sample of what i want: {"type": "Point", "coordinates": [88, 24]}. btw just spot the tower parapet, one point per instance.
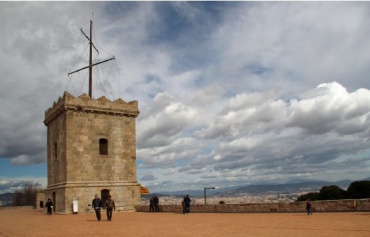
{"type": "Point", "coordinates": [85, 104]}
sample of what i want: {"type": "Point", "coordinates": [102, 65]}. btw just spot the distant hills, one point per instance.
{"type": "Point", "coordinates": [307, 186]}
{"type": "Point", "coordinates": [6, 199]}
{"type": "Point", "coordinates": [293, 186]}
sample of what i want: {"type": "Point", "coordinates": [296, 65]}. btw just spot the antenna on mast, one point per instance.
{"type": "Point", "coordinates": [90, 59]}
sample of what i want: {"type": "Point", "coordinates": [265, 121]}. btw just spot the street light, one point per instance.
{"type": "Point", "coordinates": [205, 193]}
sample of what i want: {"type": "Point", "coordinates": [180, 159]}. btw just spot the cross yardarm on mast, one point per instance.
{"type": "Point", "coordinates": [90, 59]}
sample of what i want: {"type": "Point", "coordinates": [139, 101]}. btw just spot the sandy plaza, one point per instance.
{"type": "Point", "coordinates": [35, 223]}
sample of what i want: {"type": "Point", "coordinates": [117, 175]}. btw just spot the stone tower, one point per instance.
{"type": "Point", "coordinates": [91, 149]}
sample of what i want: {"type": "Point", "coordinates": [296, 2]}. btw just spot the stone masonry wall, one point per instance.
{"type": "Point", "coordinates": [84, 161]}
{"type": "Point", "coordinates": [75, 127]}
{"type": "Point", "coordinates": [56, 162]}
{"type": "Point", "coordinates": [359, 205]}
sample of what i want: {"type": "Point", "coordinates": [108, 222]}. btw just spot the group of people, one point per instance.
{"type": "Point", "coordinates": [154, 204]}
{"type": "Point", "coordinates": [109, 205]}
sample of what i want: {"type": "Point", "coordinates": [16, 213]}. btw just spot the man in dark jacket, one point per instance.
{"type": "Point", "coordinates": [110, 206]}
{"type": "Point", "coordinates": [49, 206]}
{"type": "Point", "coordinates": [151, 204]}
{"type": "Point", "coordinates": [309, 207]}
{"type": "Point", "coordinates": [156, 203]}
{"type": "Point", "coordinates": [187, 201]}
{"type": "Point", "coordinates": [96, 204]}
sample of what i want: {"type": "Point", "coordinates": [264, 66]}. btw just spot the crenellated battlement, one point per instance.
{"type": "Point", "coordinates": [85, 104]}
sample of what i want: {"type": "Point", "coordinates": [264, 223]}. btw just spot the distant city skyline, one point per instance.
{"type": "Point", "coordinates": [230, 93]}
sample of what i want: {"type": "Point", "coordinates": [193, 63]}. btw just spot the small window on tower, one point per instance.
{"type": "Point", "coordinates": [55, 151]}
{"type": "Point", "coordinates": [103, 146]}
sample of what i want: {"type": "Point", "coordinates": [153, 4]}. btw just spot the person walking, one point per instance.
{"type": "Point", "coordinates": [109, 205]}
{"type": "Point", "coordinates": [156, 203]}
{"type": "Point", "coordinates": [187, 202]}
{"type": "Point", "coordinates": [309, 207]}
{"type": "Point", "coordinates": [183, 205]}
{"type": "Point", "coordinates": [151, 204]}
{"type": "Point", "coordinates": [96, 204]}
{"type": "Point", "coordinates": [49, 207]}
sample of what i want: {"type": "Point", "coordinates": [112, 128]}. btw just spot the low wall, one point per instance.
{"type": "Point", "coordinates": [348, 205]}
{"type": "Point", "coordinates": [17, 207]}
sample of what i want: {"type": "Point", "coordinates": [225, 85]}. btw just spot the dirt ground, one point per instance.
{"type": "Point", "coordinates": [35, 223]}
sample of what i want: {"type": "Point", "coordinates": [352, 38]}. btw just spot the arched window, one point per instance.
{"type": "Point", "coordinates": [103, 146]}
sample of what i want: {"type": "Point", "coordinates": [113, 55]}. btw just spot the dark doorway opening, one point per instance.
{"type": "Point", "coordinates": [104, 195]}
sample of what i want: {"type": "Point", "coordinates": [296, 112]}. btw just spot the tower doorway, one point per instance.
{"type": "Point", "coordinates": [104, 195]}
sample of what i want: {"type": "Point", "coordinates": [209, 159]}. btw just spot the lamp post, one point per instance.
{"type": "Point", "coordinates": [205, 193]}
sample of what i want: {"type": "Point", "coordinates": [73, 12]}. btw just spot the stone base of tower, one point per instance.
{"type": "Point", "coordinates": [125, 195]}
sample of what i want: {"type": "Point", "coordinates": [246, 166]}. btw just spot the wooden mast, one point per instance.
{"type": "Point", "coordinates": [90, 62]}
{"type": "Point", "coordinates": [90, 59]}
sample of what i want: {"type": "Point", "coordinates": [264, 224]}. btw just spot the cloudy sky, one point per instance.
{"type": "Point", "coordinates": [230, 93]}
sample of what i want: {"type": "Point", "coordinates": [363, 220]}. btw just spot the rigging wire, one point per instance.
{"type": "Point", "coordinates": [77, 90]}
{"type": "Point", "coordinates": [83, 82]}
{"type": "Point", "coordinates": [101, 76]}
{"type": "Point", "coordinates": [77, 60]}
{"type": "Point", "coordinates": [103, 82]}
{"type": "Point", "coordinates": [87, 22]}
{"type": "Point", "coordinates": [98, 43]}
{"type": "Point", "coordinates": [106, 83]}
{"type": "Point", "coordinates": [102, 79]}
{"type": "Point", "coordinates": [109, 84]}
{"type": "Point", "coordinates": [119, 79]}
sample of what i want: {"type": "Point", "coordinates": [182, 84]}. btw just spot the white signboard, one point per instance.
{"type": "Point", "coordinates": [75, 205]}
